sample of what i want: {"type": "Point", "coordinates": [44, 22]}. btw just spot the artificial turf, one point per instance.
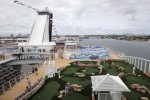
{"type": "Point", "coordinates": [50, 90]}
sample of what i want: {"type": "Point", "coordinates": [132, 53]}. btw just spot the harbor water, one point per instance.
{"type": "Point", "coordinates": [130, 48]}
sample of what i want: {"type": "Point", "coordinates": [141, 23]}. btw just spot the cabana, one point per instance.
{"type": "Point", "coordinates": [108, 87]}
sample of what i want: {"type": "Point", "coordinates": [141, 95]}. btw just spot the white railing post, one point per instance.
{"type": "Point", "coordinates": [132, 60]}
{"type": "Point", "coordinates": [138, 63]}
{"type": "Point", "coordinates": [129, 60]}
{"type": "Point", "coordinates": [149, 67]}
{"type": "Point", "coordinates": [135, 62]}
{"type": "Point", "coordinates": [141, 64]}
{"type": "Point", "coordinates": [145, 66]}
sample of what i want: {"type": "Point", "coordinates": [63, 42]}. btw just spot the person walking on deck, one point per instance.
{"type": "Point", "coordinates": [33, 69]}
{"type": "Point", "coordinates": [28, 83]}
{"type": "Point", "coordinates": [36, 70]}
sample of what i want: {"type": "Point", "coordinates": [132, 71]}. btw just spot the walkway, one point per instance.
{"type": "Point", "coordinates": [21, 86]}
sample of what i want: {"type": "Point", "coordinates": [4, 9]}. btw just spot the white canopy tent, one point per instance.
{"type": "Point", "coordinates": [51, 69]}
{"type": "Point", "coordinates": [108, 83]}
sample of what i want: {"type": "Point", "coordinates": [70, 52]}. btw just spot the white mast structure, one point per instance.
{"type": "Point", "coordinates": [41, 32]}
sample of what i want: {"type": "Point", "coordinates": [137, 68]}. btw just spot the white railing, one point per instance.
{"type": "Point", "coordinates": [139, 63]}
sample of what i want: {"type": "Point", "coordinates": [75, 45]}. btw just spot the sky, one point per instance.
{"type": "Point", "coordinates": [78, 16]}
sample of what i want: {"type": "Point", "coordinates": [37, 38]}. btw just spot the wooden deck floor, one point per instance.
{"type": "Point", "coordinates": [21, 86]}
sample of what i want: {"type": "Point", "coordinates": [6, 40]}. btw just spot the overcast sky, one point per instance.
{"type": "Point", "coordinates": [79, 16]}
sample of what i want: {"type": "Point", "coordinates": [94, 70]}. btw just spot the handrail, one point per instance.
{"type": "Point", "coordinates": [138, 57]}
{"type": "Point", "coordinates": [28, 93]}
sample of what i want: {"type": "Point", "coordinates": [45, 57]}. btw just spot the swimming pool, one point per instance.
{"type": "Point", "coordinates": [90, 52]}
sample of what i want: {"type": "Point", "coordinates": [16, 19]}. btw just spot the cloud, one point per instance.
{"type": "Point", "coordinates": [79, 16]}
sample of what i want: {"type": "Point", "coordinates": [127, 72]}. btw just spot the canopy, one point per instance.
{"type": "Point", "coordinates": [108, 83]}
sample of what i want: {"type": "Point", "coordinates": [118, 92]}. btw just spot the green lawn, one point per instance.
{"type": "Point", "coordinates": [51, 88]}
{"type": "Point", "coordinates": [91, 70]}
{"type": "Point", "coordinates": [79, 81]}
{"type": "Point", "coordinates": [75, 96]}
{"type": "Point", "coordinates": [48, 91]}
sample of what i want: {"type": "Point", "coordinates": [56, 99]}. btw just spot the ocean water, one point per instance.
{"type": "Point", "coordinates": [130, 48]}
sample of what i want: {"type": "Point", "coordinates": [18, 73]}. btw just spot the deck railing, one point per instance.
{"type": "Point", "coordinates": [139, 63]}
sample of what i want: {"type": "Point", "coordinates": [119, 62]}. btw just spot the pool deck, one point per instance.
{"type": "Point", "coordinates": [21, 86]}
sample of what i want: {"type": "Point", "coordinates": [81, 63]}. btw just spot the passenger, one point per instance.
{"type": "Point", "coordinates": [36, 70]}
{"type": "Point", "coordinates": [29, 83]}
{"type": "Point", "coordinates": [66, 89]}
{"type": "Point", "coordinates": [70, 89]}
{"type": "Point", "coordinates": [27, 89]}
{"type": "Point", "coordinates": [33, 70]}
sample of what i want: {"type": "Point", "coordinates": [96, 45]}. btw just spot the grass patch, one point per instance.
{"type": "Point", "coordinates": [78, 81]}
{"type": "Point", "coordinates": [49, 90]}
{"type": "Point", "coordinates": [75, 96]}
